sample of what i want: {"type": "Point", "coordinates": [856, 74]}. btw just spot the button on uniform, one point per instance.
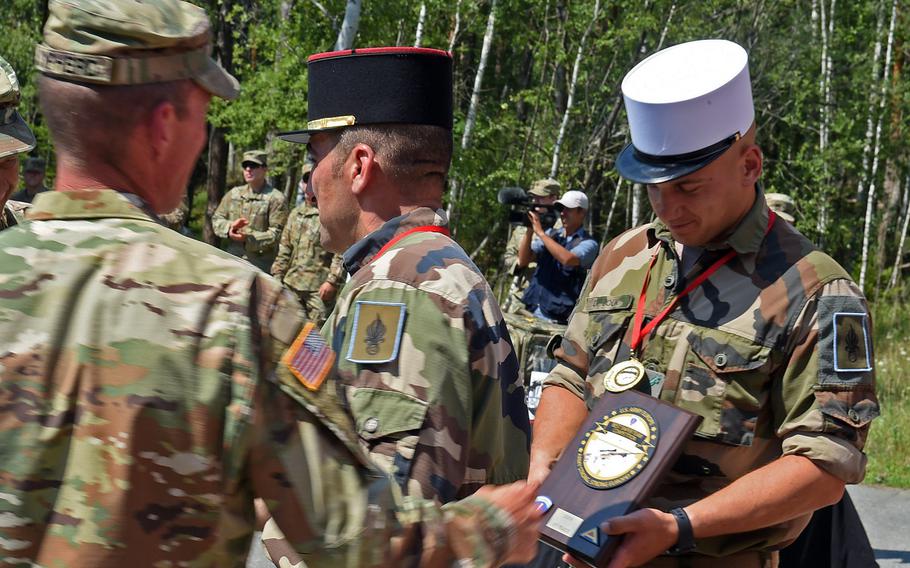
{"type": "Point", "coordinates": [371, 424]}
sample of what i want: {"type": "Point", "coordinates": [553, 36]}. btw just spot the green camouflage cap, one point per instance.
{"type": "Point", "coordinates": [783, 205]}
{"type": "Point", "coordinates": [15, 135]}
{"type": "Point", "coordinates": [306, 170]}
{"type": "Point", "coordinates": [131, 42]}
{"type": "Point", "coordinates": [256, 156]}
{"type": "Point", "coordinates": [34, 165]}
{"type": "Point", "coordinates": [545, 188]}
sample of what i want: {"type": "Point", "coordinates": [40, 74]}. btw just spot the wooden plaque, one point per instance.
{"type": "Point", "coordinates": [627, 444]}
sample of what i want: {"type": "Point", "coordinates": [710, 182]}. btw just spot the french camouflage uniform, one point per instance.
{"type": "Point", "coordinates": [303, 265]}
{"type": "Point", "coordinates": [142, 407]}
{"type": "Point", "coordinates": [773, 350]}
{"type": "Point", "coordinates": [266, 211]}
{"type": "Point", "coordinates": [426, 366]}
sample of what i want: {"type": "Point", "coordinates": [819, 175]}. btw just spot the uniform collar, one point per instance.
{"type": "Point", "coordinates": [363, 251]}
{"type": "Point", "coordinates": [264, 190]}
{"type": "Point", "coordinates": [89, 204]}
{"type": "Point", "coordinates": [745, 238]}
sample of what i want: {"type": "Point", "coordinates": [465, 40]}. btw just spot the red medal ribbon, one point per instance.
{"type": "Point", "coordinates": [421, 229]}
{"type": "Point", "coordinates": [637, 332]}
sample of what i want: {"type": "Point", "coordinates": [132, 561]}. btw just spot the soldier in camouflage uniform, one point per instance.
{"type": "Point", "coordinates": [424, 358]}
{"type": "Point", "coordinates": [15, 138]}
{"type": "Point", "coordinates": [252, 215]}
{"type": "Point", "coordinates": [772, 348]}
{"type": "Point", "coordinates": [545, 192]}
{"type": "Point", "coordinates": [142, 401]}
{"type": "Point", "coordinates": [33, 173]}
{"type": "Point", "coordinates": [302, 265]}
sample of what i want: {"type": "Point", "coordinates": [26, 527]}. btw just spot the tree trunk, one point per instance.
{"type": "Point", "coordinates": [827, 32]}
{"type": "Point", "coordinates": [349, 26]}
{"type": "Point", "coordinates": [900, 246]}
{"type": "Point", "coordinates": [457, 28]}
{"type": "Point", "coordinates": [870, 201]}
{"type": "Point", "coordinates": [870, 112]}
{"type": "Point", "coordinates": [418, 35]}
{"type": "Point", "coordinates": [616, 195]}
{"type": "Point", "coordinates": [478, 78]}
{"type": "Point", "coordinates": [218, 154]}
{"type": "Point", "coordinates": [636, 205]}
{"type": "Point", "coordinates": [565, 117]}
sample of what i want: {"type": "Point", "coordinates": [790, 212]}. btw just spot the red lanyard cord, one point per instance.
{"type": "Point", "coordinates": [398, 237]}
{"type": "Point", "coordinates": [638, 333]}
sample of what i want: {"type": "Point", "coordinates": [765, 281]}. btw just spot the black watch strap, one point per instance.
{"type": "Point", "coordinates": [686, 540]}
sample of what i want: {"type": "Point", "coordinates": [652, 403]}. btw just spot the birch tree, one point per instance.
{"type": "Point", "coordinates": [870, 200]}
{"type": "Point", "coordinates": [349, 26]}
{"type": "Point", "coordinates": [895, 272]}
{"type": "Point", "coordinates": [421, 18]}
{"type": "Point", "coordinates": [572, 85]}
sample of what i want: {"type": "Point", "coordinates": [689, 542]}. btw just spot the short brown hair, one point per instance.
{"type": "Point", "coordinates": [409, 150]}
{"type": "Point", "coordinates": [89, 122]}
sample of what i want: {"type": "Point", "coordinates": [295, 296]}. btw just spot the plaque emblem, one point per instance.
{"type": "Point", "coordinates": [617, 448]}
{"type": "Point", "coordinates": [623, 376]}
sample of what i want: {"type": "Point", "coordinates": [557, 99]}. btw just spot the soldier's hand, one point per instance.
{"type": "Point", "coordinates": [535, 223]}
{"type": "Point", "coordinates": [234, 232]}
{"type": "Point", "coordinates": [538, 471]}
{"type": "Point", "coordinates": [517, 499]}
{"type": "Point", "coordinates": [327, 292]}
{"type": "Point", "coordinates": [646, 533]}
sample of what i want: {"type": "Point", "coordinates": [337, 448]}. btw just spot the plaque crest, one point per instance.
{"type": "Point", "coordinates": [617, 448]}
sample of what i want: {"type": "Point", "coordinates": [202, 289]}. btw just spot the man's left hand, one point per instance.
{"type": "Point", "coordinates": [327, 292]}
{"type": "Point", "coordinates": [646, 534]}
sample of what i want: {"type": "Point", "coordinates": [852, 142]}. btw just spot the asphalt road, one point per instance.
{"type": "Point", "coordinates": [885, 513]}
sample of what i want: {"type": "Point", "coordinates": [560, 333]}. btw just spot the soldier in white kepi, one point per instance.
{"type": "Point", "coordinates": [722, 309]}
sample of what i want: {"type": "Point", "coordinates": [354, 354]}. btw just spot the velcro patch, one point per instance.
{"type": "Point", "coordinates": [608, 303]}
{"type": "Point", "coordinates": [851, 342]}
{"type": "Point", "coordinates": [376, 336]}
{"type": "Point", "coordinates": [309, 358]}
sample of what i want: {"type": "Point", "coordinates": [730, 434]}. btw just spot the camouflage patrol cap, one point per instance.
{"type": "Point", "coordinates": [256, 156]}
{"type": "Point", "coordinates": [783, 205]}
{"type": "Point", "coordinates": [15, 135]}
{"type": "Point", "coordinates": [306, 170]}
{"type": "Point", "coordinates": [34, 165]}
{"type": "Point", "coordinates": [130, 42]}
{"type": "Point", "coordinates": [548, 187]}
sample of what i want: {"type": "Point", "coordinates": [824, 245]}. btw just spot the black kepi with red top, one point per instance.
{"type": "Point", "coordinates": [377, 85]}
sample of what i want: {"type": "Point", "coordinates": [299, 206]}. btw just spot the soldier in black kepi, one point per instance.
{"type": "Point", "coordinates": [424, 356]}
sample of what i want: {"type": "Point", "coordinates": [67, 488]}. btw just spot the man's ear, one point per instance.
{"type": "Point", "coordinates": [161, 129]}
{"type": "Point", "coordinates": [361, 166]}
{"type": "Point", "coordinates": [751, 165]}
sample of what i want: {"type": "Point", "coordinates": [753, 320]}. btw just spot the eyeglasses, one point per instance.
{"type": "Point", "coordinates": [250, 165]}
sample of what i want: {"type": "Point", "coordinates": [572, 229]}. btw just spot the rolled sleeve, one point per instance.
{"type": "Point", "coordinates": [826, 398]}
{"type": "Point", "coordinates": [586, 251]}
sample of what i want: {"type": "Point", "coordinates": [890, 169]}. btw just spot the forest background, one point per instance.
{"type": "Point", "coordinates": [537, 94]}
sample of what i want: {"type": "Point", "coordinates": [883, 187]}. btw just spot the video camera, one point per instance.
{"type": "Point", "coordinates": [520, 203]}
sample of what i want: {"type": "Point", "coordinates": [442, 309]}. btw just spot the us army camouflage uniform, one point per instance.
{"type": "Point", "coordinates": [13, 213]}
{"type": "Point", "coordinates": [752, 350]}
{"type": "Point", "coordinates": [176, 219]}
{"type": "Point", "coordinates": [142, 409]}
{"type": "Point", "coordinates": [447, 413]}
{"type": "Point", "coordinates": [303, 265]}
{"type": "Point", "coordinates": [266, 212]}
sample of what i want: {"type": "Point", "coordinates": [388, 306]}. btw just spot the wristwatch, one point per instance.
{"type": "Point", "coordinates": [685, 542]}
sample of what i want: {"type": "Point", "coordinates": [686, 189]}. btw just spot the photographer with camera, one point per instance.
{"type": "Point", "coordinates": [541, 197]}
{"type": "Point", "coordinates": [563, 257]}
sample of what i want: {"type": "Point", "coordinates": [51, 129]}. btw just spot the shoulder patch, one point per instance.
{"type": "Point", "coordinates": [851, 342]}
{"type": "Point", "coordinates": [376, 335]}
{"type": "Point", "coordinates": [844, 340]}
{"type": "Point", "coordinates": [309, 358]}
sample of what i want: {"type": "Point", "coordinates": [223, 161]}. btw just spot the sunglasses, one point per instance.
{"type": "Point", "coordinates": [250, 165]}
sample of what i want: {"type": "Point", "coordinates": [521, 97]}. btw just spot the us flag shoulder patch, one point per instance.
{"type": "Point", "coordinates": [309, 358]}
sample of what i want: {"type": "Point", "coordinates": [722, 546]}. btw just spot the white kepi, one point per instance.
{"type": "Point", "coordinates": [686, 106]}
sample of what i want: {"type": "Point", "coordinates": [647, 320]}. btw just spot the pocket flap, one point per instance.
{"type": "Point", "coordinates": [729, 354]}
{"type": "Point", "coordinates": [608, 303]}
{"type": "Point", "coordinates": [378, 413]}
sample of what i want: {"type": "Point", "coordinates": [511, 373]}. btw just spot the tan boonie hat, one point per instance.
{"type": "Point", "coordinates": [545, 188]}
{"type": "Point", "coordinates": [256, 156]}
{"type": "Point", "coordinates": [783, 205]}
{"type": "Point", "coordinates": [15, 135]}
{"type": "Point", "coordinates": [306, 170]}
{"type": "Point", "coordinates": [130, 42]}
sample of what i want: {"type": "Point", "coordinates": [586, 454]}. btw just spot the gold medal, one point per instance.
{"type": "Point", "coordinates": [623, 376]}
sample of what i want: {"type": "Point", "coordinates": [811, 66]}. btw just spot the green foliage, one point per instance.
{"type": "Point", "coordinates": [888, 446]}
